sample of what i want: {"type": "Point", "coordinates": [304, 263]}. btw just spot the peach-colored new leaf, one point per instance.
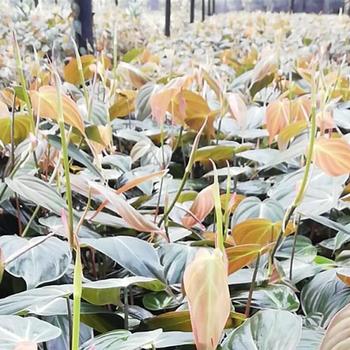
{"type": "Point", "coordinates": [159, 103]}
{"type": "Point", "coordinates": [201, 207]}
{"type": "Point", "coordinates": [238, 108]}
{"type": "Point", "coordinates": [44, 104]}
{"type": "Point", "coordinates": [131, 216]}
{"type": "Point", "coordinates": [206, 286]}
{"type": "Point", "coordinates": [332, 156]}
{"type": "Point", "coordinates": [277, 117]}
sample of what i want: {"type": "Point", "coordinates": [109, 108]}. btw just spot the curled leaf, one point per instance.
{"type": "Point", "coordinates": [201, 207]}
{"type": "Point", "coordinates": [125, 210]}
{"type": "Point", "coordinates": [205, 282]}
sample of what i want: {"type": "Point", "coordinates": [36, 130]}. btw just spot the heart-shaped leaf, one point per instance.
{"type": "Point", "coordinates": [324, 294]}
{"type": "Point", "coordinates": [42, 263]}
{"type": "Point", "coordinates": [25, 333]}
{"type": "Point", "coordinates": [266, 330]}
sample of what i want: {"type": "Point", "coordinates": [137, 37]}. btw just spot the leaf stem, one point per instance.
{"type": "Point", "coordinates": [294, 248]}
{"type": "Point", "coordinates": [252, 286]}
{"type": "Point", "coordinates": [65, 162]}
{"type": "Point", "coordinates": [301, 192]}
{"type": "Point", "coordinates": [186, 174]}
{"type": "Point", "coordinates": [19, 65]}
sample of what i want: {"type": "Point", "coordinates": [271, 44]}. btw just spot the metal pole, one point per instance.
{"type": "Point", "coordinates": [167, 17]}
{"type": "Point", "coordinates": [192, 11]}
{"type": "Point", "coordinates": [203, 10]}
{"type": "Point", "coordinates": [83, 24]}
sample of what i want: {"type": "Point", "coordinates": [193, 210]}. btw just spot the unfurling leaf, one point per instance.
{"type": "Point", "coordinates": [277, 117]}
{"type": "Point", "coordinates": [337, 336]}
{"type": "Point", "coordinates": [159, 104]}
{"type": "Point", "coordinates": [205, 282]}
{"type": "Point", "coordinates": [201, 207]}
{"type": "Point", "coordinates": [44, 104]}
{"type": "Point", "coordinates": [281, 113]}
{"type": "Point", "coordinates": [125, 210]}
{"type": "Point", "coordinates": [332, 156]}
{"type": "Point", "coordinates": [238, 108]}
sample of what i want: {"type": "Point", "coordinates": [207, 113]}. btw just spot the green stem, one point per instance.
{"type": "Point", "coordinates": [77, 285]}
{"type": "Point", "coordinates": [293, 250]}
{"type": "Point", "coordinates": [178, 193]}
{"type": "Point", "coordinates": [81, 76]}
{"type": "Point", "coordinates": [19, 65]}
{"type": "Point", "coordinates": [65, 163]}
{"type": "Point", "coordinates": [77, 279]}
{"type": "Point", "coordinates": [252, 286]}
{"type": "Point", "coordinates": [300, 195]}
{"type": "Point", "coordinates": [220, 240]}
{"type": "Point", "coordinates": [126, 309]}
{"type": "Point", "coordinates": [186, 174]}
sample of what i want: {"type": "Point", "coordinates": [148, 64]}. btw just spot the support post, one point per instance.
{"type": "Point", "coordinates": [167, 17]}
{"type": "Point", "coordinates": [83, 24]}
{"type": "Point", "coordinates": [192, 11]}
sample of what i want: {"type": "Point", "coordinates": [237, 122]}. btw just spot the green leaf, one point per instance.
{"type": "Point", "coordinates": [277, 296]}
{"type": "Point", "coordinates": [20, 302]}
{"type": "Point", "coordinates": [174, 258]}
{"type": "Point", "coordinates": [266, 330]}
{"type": "Point", "coordinates": [37, 191]}
{"type": "Point", "coordinates": [107, 291]}
{"type": "Point", "coordinates": [310, 339]}
{"type": "Point", "coordinates": [22, 127]}
{"type": "Point", "coordinates": [134, 254]}
{"type": "Point", "coordinates": [75, 153]}
{"type": "Point", "coordinates": [122, 340]}
{"type": "Point", "coordinates": [53, 254]}
{"type": "Point", "coordinates": [253, 207]}
{"type": "Point", "coordinates": [16, 331]}
{"type": "Point", "coordinates": [170, 321]}
{"type": "Point", "coordinates": [217, 152]}
{"type": "Point", "coordinates": [324, 294]}
{"type": "Point", "coordinates": [132, 54]}
{"type": "Point", "coordinates": [304, 250]}
{"type": "Point", "coordinates": [159, 301]}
